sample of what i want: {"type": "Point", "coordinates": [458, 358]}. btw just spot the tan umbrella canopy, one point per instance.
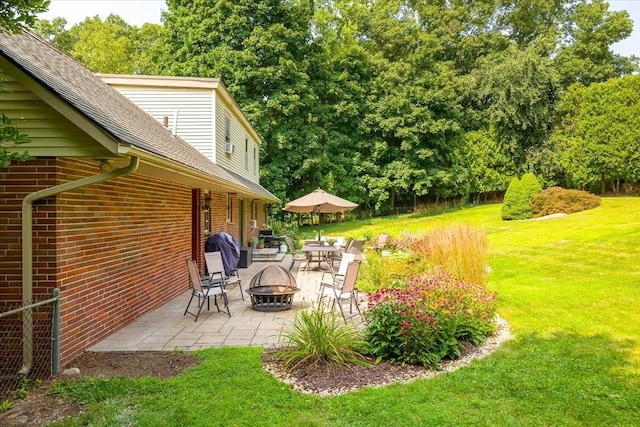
{"type": "Point", "coordinates": [319, 201]}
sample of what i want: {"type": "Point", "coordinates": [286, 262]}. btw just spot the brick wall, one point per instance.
{"type": "Point", "coordinates": [14, 186]}
{"type": "Point", "coordinates": [115, 249]}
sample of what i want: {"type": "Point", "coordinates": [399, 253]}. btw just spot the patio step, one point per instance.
{"type": "Point", "coordinates": [267, 255]}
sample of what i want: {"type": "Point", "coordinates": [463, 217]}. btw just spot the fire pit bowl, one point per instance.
{"type": "Point", "coordinates": [272, 289]}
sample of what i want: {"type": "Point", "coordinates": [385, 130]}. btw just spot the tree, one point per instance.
{"type": "Point", "coordinates": [481, 166]}
{"type": "Point", "coordinates": [113, 46]}
{"type": "Point", "coordinates": [517, 89]}
{"type": "Point", "coordinates": [530, 185]}
{"type": "Point", "coordinates": [411, 114]}
{"type": "Point", "coordinates": [54, 32]}
{"type": "Point", "coordinates": [599, 127]}
{"type": "Point", "coordinates": [109, 46]}
{"type": "Point", "coordinates": [528, 22]}
{"type": "Point", "coordinates": [17, 14]}
{"type": "Point", "coordinates": [389, 101]}
{"type": "Point", "coordinates": [586, 56]}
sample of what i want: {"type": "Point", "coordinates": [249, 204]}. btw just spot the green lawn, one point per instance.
{"type": "Point", "coordinates": [569, 288]}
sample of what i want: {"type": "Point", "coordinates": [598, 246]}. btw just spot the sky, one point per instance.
{"type": "Point", "coordinates": [137, 12]}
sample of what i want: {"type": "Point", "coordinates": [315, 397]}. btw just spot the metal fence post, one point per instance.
{"type": "Point", "coordinates": [55, 348]}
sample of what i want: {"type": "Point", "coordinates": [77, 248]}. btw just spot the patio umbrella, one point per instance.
{"type": "Point", "coordinates": [319, 201]}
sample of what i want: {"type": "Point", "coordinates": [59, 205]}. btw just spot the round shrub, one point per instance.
{"type": "Point", "coordinates": [518, 197]}
{"type": "Point", "coordinates": [429, 320]}
{"type": "Point", "coordinates": [560, 200]}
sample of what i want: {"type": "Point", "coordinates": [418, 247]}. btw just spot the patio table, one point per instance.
{"type": "Point", "coordinates": [323, 254]}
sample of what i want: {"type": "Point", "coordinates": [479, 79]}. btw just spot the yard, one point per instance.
{"type": "Point", "coordinates": [569, 288]}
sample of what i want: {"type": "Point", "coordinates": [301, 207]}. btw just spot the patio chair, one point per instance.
{"type": "Point", "coordinates": [381, 242]}
{"type": "Point", "coordinates": [336, 277]}
{"type": "Point", "coordinates": [356, 247]}
{"type": "Point", "coordinates": [215, 269]}
{"type": "Point", "coordinates": [340, 242]}
{"type": "Point", "coordinates": [204, 289]}
{"type": "Point", "coordinates": [337, 255]}
{"type": "Point", "coordinates": [346, 292]}
{"type": "Point", "coordinates": [294, 256]}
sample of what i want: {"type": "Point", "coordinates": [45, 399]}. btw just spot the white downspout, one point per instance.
{"type": "Point", "coordinates": [27, 249]}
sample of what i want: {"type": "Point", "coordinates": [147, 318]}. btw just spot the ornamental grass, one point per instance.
{"type": "Point", "coordinates": [320, 337]}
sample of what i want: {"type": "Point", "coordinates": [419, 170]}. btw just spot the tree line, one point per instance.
{"type": "Point", "coordinates": [389, 103]}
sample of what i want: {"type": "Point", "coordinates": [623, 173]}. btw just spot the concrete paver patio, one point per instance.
{"type": "Point", "coordinates": [167, 329]}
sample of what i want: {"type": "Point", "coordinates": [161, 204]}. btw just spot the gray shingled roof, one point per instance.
{"type": "Point", "coordinates": [115, 114]}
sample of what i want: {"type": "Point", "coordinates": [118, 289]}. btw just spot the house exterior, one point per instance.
{"type": "Point", "coordinates": [202, 112]}
{"type": "Point", "coordinates": [109, 206]}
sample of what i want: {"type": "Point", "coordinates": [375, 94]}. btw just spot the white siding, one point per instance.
{"type": "Point", "coordinates": [236, 161]}
{"type": "Point", "coordinates": [201, 122]}
{"type": "Point", "coordinates": [194, 109]}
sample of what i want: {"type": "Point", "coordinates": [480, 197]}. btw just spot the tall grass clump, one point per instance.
{"type": "Point", "coordinates": [319, 337]}
{"type": "Point", "coordinates": [429, 320]}
{"type": "Point", "coordinates": [462, 250]}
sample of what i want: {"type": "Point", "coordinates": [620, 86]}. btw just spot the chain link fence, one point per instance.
{"type": "Point", "coordinates": [29, 344]}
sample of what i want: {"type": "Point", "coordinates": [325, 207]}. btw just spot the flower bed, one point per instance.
{"type": "Point", "coordinates": [429, 320]}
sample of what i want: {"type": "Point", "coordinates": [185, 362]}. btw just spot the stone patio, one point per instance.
{"type": "Point", "coordinates": [167, 329]}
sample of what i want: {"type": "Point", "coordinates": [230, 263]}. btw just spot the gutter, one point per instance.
{"type": "Point", "coordinates": [27, 248]}
{"type": "Point", "coordinates": [205, 178]}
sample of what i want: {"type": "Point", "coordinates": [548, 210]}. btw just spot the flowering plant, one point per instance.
{"type": "Point", "coordinates": [429, 320]}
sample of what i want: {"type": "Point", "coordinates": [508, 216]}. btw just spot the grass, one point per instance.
{"type": "Point", "coordinates": [569, 287]}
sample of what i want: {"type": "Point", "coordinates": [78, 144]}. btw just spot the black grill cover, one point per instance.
{"type": "Point", "coordinates": [227, 245]}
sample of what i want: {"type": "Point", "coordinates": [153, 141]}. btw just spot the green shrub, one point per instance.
{"type": "Point", "coordinates": [560, 200]}
{"type": "Point", "coordinates": [429, 320]}
{"type": "Point", "coordinates": [530, 185]}
{"type": "Point", "coordinates": [320, 337]}
{"type": "Point", "coordinates": [518, 197]}
{"type": "Point", "coordinates": [281, 228]}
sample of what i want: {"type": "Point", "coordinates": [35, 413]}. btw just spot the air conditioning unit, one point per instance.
{"type": "Point", "coordinates": [230, 148]}
{"type": "Point", "coordinates": [253, 223]}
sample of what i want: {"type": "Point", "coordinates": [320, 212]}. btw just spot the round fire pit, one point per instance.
{"type": "Point", "coordinates": [272, 289]}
